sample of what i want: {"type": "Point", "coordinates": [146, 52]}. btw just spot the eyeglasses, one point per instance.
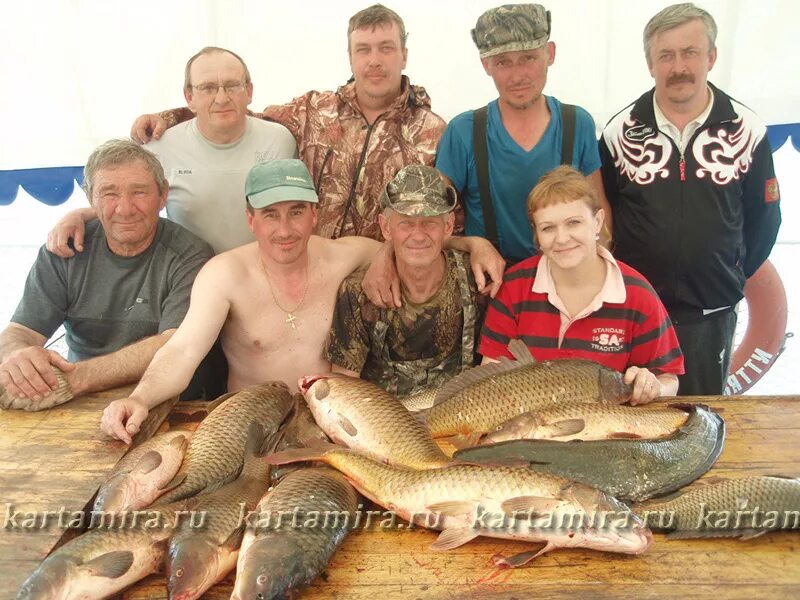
{"type": "Point", "coordinates": [211, 89]}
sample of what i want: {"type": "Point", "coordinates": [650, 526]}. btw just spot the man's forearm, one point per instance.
{"type": "Point", "coordinates": [168, 375]}
{"type": "Point", "coordinates": [124, 366]}
{"type": "Point", "coordinates": [16, 337]}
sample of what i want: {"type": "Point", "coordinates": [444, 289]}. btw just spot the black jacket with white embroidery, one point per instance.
{"type": "Point", "coordinates": [696, 230]}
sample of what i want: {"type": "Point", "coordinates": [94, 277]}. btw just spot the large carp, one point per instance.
{"type": "Point", "coordinates": [216, 451]}
{"type": "Point", "coordinates": [479, 399]}
{"type": "Point", "coordinates": [465, 501]}
{"type": "Point", "coordinates": [199, 557]}
{"type": "Point", "coordinates": [626, 469]}
{"type": "Point", "coordinates": [277, 557]}
{"type": "Point", "coordinates": [360, 415]}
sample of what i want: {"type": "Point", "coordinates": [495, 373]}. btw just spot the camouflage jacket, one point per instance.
{"type": "Point", "coordinates": [416, 346]}
{"type": "Point", "coordinates": [351, 161]}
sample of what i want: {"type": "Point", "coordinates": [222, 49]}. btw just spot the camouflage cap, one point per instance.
{"type": "Point", "coordinates": [510, 28]}
{"type": "Point", "coordinates": [418, 191]}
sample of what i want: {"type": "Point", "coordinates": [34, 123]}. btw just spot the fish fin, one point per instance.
{"type": "Point", "coordinates": [214, 404]}
{"type": "Point", "coordinates": [452, 508]}
{"type": "Point", "coordinates": [149, 462]}
{"type": "Point", "coordinates": [454, 537]}
{"type": "Point", "coordinates": [749, 534]}
{"type": "Point", "coordinates": [464, 440]}
{"type": "Point", "coordinates": [520, 352]}
{"type": "Point", "coordinates": [347, 425]}
{"type": "Point", "coordinates": [530, 505]}
{"type": "Point", "coordinates": [111, 564]}
{"type": "Point", "coordinates": [180, 442]}
{"type": "Point", "coordinates": [234, 540]}
{"type": "Point", "coordinates": [624, 435]}
{"type": "Point", "coordinates": [563, 428]}
{"type": "Point", "coordinates": [487, 461]}
{"type": "Point", "coordinates": [473, 376]}
{"type": "Point", "coordinates": [523, 558]}
{"type": "Point", "coordinates": [697, 534]}
{"type": "Point", "coordinates": [179, 478]}
{"type": "Point", "coordinates": [303, 454]}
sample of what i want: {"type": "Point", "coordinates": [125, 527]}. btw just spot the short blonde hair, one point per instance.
{"type": "Point", "coordinates": [562, 185]}
{"type": "Point", "coordinates": [375, 15]}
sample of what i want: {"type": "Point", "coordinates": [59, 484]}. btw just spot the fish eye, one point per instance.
{"type": "Point", "coordinates": [261, 579]}
{"type": "Point", "coordinates": [179, 572]}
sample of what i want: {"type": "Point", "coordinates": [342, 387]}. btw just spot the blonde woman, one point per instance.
{"type": "Point", "coordinates": [574, 300]}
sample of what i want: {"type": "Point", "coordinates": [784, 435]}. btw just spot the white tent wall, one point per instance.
{"type": "Point", "coordinates": [76, 73]}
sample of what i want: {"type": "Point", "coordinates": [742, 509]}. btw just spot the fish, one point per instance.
{"type": "Point", "coordinates": [360, 415]}
{"type": "Point", "coordinates": [419, 401]}
{"type": "Point", "coordinates": [106, 559]}
{"type": "Point", "coordinates": [141, 476]}
{"type": "Point", "coordinates": [302, 431]}
{"type": "Point", "coordinates": [465, 501]}
{"type": "Point", "coordinates": [590, 422]}
{"type": "Point", "coordinates": [52, 398]}
{"type": "Point", "coordinates": [743, 508]}
{"type": "Point", "coordinates": [277, 558]}
{"type": "Point", "coordinates": [627, 469]}
{"type": "Point", "coordinates": [201, 555]}
{"type": "Point", "coordinates": [216, 451]}
{"type": "Point", "coordinates": [478, 400]}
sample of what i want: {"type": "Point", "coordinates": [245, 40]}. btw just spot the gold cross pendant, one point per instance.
{"type": "Point", "coordinates": [290, 319]}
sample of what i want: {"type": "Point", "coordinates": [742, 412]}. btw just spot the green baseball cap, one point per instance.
{"type": "Point", "coordinates": [281, 180]}
{"type": "Point", "coordinates": [418, 191]}
{"type": "Point", "coordinates": [511, 27]}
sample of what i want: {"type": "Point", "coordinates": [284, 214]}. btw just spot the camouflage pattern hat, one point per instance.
{"type": "Point", "coordinates": [510, 28]}
{"type": "Point", "coordinates": [418, 191]}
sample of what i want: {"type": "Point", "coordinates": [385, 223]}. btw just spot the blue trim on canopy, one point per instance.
{"type": "Point", "coordinates": [52, 186]}
{"type": "Point", "coordinates": [778, 134]}
{"type": "Point", "coordinates": [55, 185]}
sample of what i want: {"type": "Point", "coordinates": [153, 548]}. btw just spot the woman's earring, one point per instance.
{"type": "Point", "coordinates": [597, 236]}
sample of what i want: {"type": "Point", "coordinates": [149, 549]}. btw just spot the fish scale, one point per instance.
{"type": "Point", "coordinates": [216, 451]}
{"type": "Point", "coordinates": [276, 559]}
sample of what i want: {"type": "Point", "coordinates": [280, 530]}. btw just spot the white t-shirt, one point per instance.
{"type": "Point", "coordinates": [206, 180]}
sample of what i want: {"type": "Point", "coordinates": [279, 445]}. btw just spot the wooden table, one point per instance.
{"type": "Point", "coordinates": [763, 438]}
{"type": "Point", "coordinates": [53, 460]}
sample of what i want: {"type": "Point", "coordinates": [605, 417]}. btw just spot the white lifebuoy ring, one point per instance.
{"type": "Point", "coordinates": [766, 330]}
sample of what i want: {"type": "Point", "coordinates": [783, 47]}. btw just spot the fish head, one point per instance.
{"type": "Point", "coordinates": [517, 428]}
{"type": "Point", "coordinates": [50, 581]}
{"type": "Point", "coordinates": [269, 569]}
{"type": "Point", "coordinates": [612, 386]}
{"type": "Point", "coordinates": [116, 495]}
{"type": "Point", "coordinates": [192, 567]}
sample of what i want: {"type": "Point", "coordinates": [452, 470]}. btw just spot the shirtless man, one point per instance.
{"type": "Point", "coordinates": [272, 300]}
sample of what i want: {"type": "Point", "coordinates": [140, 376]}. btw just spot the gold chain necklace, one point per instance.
{"type": "Point", "coordinates": [290, 318]}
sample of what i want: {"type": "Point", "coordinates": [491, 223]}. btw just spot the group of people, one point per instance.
{"type": "Point", "coordinates": [356, 231]}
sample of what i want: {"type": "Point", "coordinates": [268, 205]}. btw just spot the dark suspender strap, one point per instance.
{"type": "Point", "coordinates": [482, 168]}
{"type": "Point", "coordinates": [568, 136]}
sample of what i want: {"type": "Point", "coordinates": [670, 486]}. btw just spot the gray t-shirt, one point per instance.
{"type": "Point", "coordinates": [206, 180]}
{"type": "Point", "coordinates": [107, 301]}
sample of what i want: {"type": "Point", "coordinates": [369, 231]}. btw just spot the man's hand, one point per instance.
{"type": "Point", "coordinates": [485, 261]}
{"type": "Point", "coordinates": [381, 283]}
{"type": "Point", "coordinates": [28, 372]}
{"type": "Point", "coordinates": [122, 418]}
{"type": "Point", "coordinates": [646, 386]}
{"type": "Point", "coordinates": [70, 226]}
{"type": "Point", "coordinates": [148, 127]}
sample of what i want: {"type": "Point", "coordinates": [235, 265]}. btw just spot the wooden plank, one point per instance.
{"type": "Point", "coordinates": [51, 464]}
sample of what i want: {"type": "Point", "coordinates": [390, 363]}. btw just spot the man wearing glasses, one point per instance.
{"type": "Point", "coordinates": [207, 158]}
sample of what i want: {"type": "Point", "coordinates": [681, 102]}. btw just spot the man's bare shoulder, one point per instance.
{"type": "Point", "coordinates": [232, 264]}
